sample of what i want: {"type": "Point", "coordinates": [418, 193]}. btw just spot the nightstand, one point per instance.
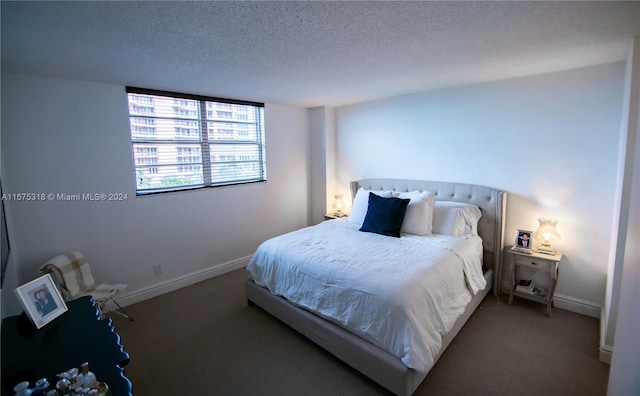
{"type": "Point", "coordinates": [329, 216]}
{"type": "Point", "coordinates": [535, 262]}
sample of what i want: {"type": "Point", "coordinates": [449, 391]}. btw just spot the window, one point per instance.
{"type": "Point", "coordinates": [181, 141]}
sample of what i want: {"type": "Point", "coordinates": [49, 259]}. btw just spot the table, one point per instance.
{"type": "Point", "coordinates": [78, 335]}
{"type": "Point", "coordinates": [536, 262]}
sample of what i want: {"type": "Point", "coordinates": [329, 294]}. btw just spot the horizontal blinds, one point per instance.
{"type": "Point", "coordinates": [182, 141]}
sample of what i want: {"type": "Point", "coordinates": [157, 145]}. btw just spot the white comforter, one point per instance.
{"type": "Point", "coordinates": [401, 294]}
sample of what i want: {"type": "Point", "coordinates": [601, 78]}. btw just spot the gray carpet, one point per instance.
{"type": "Point", "coordinates": [205, 340]}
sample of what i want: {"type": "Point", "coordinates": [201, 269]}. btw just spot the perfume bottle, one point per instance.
{"type": "Point", "coordinates": [63, 386]}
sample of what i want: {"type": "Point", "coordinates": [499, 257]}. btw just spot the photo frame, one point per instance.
{"type": "Point", "coordinates": [523, 242]}
{"type": "Point", "coordinates": [41, 300]}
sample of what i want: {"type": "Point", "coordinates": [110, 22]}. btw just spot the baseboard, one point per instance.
{"type": "Point", "coordinates": [605, 351]}
{"type": "Point", "coordinates": [605, 354]}
{"type": "Point", "coordinates": [577, 305]}
{"type": "Point", "coordinates": [567, 303]}
{"type": "Point", "coordinates": [134, 296]}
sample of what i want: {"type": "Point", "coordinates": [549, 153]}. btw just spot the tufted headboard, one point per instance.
{"type": "Point", "coordinates": [492, 204]}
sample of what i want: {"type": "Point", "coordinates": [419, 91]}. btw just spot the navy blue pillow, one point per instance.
{"type": "Point", "coordinates": [385, 215]}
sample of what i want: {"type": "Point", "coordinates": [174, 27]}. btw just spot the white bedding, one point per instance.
{"type": "Point", "coordinates": [401, 294]}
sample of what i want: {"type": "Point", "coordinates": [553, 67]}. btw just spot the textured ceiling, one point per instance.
{"type": "Point", "coordinates": [310, 53]}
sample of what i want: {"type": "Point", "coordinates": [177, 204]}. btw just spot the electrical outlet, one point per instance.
{"type": "Point", "coordinates": [157, 269]}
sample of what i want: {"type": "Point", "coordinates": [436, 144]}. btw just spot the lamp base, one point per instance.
{"type": "Point", "coordinates": [546, 250]}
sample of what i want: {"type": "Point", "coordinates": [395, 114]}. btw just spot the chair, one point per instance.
{"type": "Point", "coordinates": [73, 275]}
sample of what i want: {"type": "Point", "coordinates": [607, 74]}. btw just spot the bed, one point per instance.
{"type": "Point", "coordinates": [324, 312]}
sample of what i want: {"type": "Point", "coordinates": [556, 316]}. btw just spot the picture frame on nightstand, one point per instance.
{"type": "Point", "coordinates": [523, 242]}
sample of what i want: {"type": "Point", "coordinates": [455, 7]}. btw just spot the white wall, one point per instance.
{"type": "Point", "coordinates": [317, 160]}
{"type": "Point", "coordinates": [625, 362]}
{"type": "Point", "coordinates": [550, 140]}
{"type": "Point", "coordinates": [625, 365]}
{"type": "Point", "coordinates": [625, 175]}
{"type": "Point", "coordinates": [322, 154]}
{"type": "Point", "coordinates": [65, 136]}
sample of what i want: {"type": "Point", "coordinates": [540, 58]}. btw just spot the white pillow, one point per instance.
{"type": "Point", "coordinates": [418, 218]}
{"type": "Point", "coordinates": [455, 218]}
{"type": "Point", "coordinates": [361, 204]}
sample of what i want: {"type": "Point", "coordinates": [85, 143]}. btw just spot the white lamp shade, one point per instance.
{"type": "Point", "coordinates": [546, 234]}
{"type": "Point", "coordinates": [338, 203]}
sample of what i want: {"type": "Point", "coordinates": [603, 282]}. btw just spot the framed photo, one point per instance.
{"type": "Point", "coordinates": [41, 300]}
{"type": "Point", "coordinates": [524, 239]}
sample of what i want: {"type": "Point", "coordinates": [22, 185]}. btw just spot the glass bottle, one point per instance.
{"type": "Point", "coordinates": [22, 389]}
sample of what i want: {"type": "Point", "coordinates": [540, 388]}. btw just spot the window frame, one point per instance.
{"type": "Point", "coordinates": [203, 140]}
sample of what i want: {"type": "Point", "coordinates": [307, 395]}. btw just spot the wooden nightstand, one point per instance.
{"type": "Point", "coordinates": [535, 262]}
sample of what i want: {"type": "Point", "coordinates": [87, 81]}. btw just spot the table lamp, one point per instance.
{"type": "Point", "coordinates": [546, 235]}
{"type": "Point", "coordinates": [338, 205]}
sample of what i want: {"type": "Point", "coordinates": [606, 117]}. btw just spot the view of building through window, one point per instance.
{"type": "Point", "coordinates": [181, 142]}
